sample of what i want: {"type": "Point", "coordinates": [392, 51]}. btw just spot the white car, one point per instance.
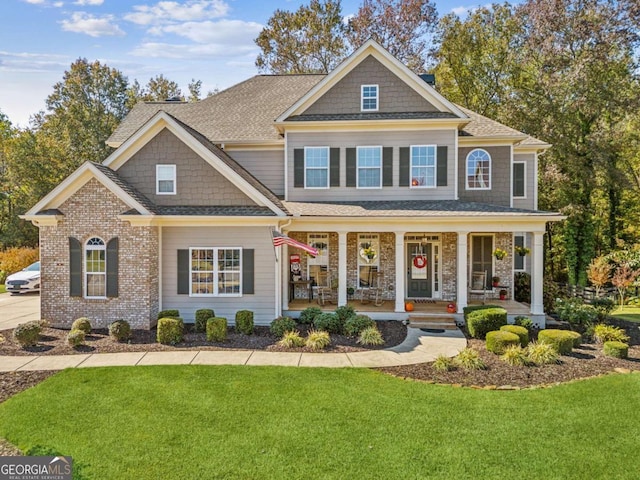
{"type": "Point", "coordinates": [27, 280]}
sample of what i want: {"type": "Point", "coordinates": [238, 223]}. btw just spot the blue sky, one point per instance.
{"type": "Point", "coordinates": [209, 40]}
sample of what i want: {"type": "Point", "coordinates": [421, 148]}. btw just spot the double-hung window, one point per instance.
{"type": "Point", "coordinates": [216, 271]}
{"type": "Point", "coordinates": [165, 179]}
{"type": "Point", "coordinates": [320, 263]}
{"type": "Point", "coordinates": [95, 267]}
{"type": "Point", "coordinates": [369, 98]}
{"type": "Point", "coordinates": [423, 166]}
{"type": "Point", "coordinates": [316, 167]}
{"type": "Point", "coordinates": [368, 259]}
{"type": "Point", "coordinates": [369, 171]}
{"type": "Point", "coordinates": [519, 180]}
{"type": "Point", "coordinates": [478, 170]}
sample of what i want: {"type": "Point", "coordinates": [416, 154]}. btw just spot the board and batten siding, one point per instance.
{"type": "Point", "coordinates": [266, 165]}
{"type": "Point", "coordinates": [262, 302]}
{"type": "Point", "coordinates": [529, 159]}
{"type": "Point", "coordinates": [500, 192]}
{"type": "Point", "coordinates": [395, 139]}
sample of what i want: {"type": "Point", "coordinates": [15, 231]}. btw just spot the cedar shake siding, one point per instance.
{"type": "Point", "coordinates": [500, 192]}
{"type": "Point", "coordinates": [266, 165]}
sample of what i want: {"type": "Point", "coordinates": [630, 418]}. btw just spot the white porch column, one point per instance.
{"type": "Point", "coordinates": [400, 271]}
{"type": "Point", "coordinates": [537, 273]}
{"type": "Point", "coordinates": [284, 268]}
{"type": "Point", "coordinates": [342, 268]}
{"type": "Point", "coordinates": [462, 270]}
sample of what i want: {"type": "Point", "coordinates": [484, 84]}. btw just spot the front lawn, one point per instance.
{"type": "Point", "coordinates": [629, 313]}
{"type": "Point", "coordinates": [189, 422]}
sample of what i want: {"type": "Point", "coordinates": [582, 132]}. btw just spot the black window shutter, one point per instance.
{"type": "Point", "coordinates": [351, 167]}
{"type": "Point", "coordinates": [247, 271]}
{"type": "Point", "coordinates": [183, 272]}
{"type": "Point", "coordinates": [387, 166]}
{"type": "Point", "coordinates": [442, 166]}
{"type": "Point", "coordinates": [518, 180]}
{"type": "Point", "coordinates": [404, 166]}
{"type": "Point", "coordinates": [298, 167]}
{"type": "Point", "coordinates": [334, 172]}
{"type": "Point", "coordinates": [75, 267]}
{"type": "Point", "coordinates": [112, 267]}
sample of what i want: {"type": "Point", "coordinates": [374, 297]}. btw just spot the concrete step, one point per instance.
{"type": "Point", "coordinates": [443, 322]}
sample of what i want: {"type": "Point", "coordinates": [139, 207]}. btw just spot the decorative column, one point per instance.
{"type": "Point", "coordinates": [284, 268]}
{"type": "Point", "coordinates": [342, 268]}
{"type": "Point", "coordinates": [462, 270]}
{"type": "Point", "coordinates": [401, 272]}
{"type": "Point", "coordinates": [537, 273]}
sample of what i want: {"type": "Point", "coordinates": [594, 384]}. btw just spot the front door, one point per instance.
{"type": "Point", "coordinates": [419, 268]}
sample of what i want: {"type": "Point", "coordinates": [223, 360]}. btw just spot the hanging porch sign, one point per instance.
{"type": "Point", "coordinates": [419, 261]}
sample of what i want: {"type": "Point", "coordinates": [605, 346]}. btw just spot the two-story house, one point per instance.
{"type": "Point", "coordinates": [387, 179]}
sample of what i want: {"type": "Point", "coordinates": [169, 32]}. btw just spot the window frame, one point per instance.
{"type": "Point", "coordinates": [358, 167]}
{"type": "Point", "coordinates": [374, 240]}
{"type": "Point", "coordinates": [327, 168]}
{"type": "Point", "coordinates": [99, 248]}
{"type": "Point", "coordinates": [322, 260]}
{"type": "Point", "coordinates": [524, 180]}
{"type": "Point", "coordinates": [434, 166]}
{"type": "Point", "coordinates": [173, 179]}
{"type": "Point", "coordinates": [468, 187]}
{"type": "Point", "coordinates": [363, 98]}
{"type": "Point", "coordinates": [216, 273]}
{"type": "Point", "coordinates": [515, 255]}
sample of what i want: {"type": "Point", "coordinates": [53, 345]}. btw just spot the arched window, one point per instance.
{"type": "Point", "coordinates": [95, 268]}
{"type": "Point", "coordinates": [478, 170]}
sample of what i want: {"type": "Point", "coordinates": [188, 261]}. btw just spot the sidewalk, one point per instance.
{"type": "Point", "coordinates": [418, 347]}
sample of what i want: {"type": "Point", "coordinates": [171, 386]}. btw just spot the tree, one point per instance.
{"type": "Point", "coordinates": [195, 87]}
{"type": "Point", "coordinates": [598, 273]}
{"type": "Point", "coordinates": [623, 278]}
{"type": "Point", "coordinates": [400, 26]}
{"type": "Point", "coordinates": [309, 40]}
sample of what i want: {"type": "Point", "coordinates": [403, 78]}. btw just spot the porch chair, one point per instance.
{"type": "Point", "coordinates": [478, 285]}
{"type": "Point", "coordinates": [323, 288]}
{"type": "Point", "coordinates": [374, 292]}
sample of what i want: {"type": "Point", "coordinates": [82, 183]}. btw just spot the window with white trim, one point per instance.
{"type": "Point", "coordinates": [478, 170]}
{"type": "Point", "coordinates": [369, 98]}
{"type": "Point", "coordinates": [519, 261]}
{"type": "Point", "coordinates": [369, 171]}
{"type": "Point", "coordinates": [423, 166]}
{"type": "Point", "coordinates": [95, 268]}
{"type": "Point", "coordinates": [216, 272]}
{"type": "Point", "coordinates": [368, 259]}
{"type": "Point", "coordinates": [519, 180]}
{"type": "Point", "coordinates": [165, 179]}
{"type": "Point", "coordinates": [316, 167]}
{"type": "Point", "coordinates": [320, 263]}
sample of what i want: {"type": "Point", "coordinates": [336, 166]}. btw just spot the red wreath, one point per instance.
{"type": "Point", "coordinates": [420, 261]}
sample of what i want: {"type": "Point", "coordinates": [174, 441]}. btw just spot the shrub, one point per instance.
{"type": "Point", "coordinates": [561, 340]}
{"type": "Point", "coordinates": [318, 340]}
{"type": "Point", "coordinates": [474, 308]}
{"type": "Point", "coordinates": [616, 349]}
{"type": "Point", "coordinates": [15, 259]}
{"type": "Point", "coordinates": [576, 312]}
{"type": "Point", "coordinates": [608, 333]}
{"type": "Point", "coordinates": [523, 321]}
{"type": "Point", "coordinates": [27, 334]}
{"type": "Point", "coordinates": [370, 336]}
{"type": "Point", "coordinates": [354, 325]}
{"type": "Point", "coordinates": [499, 340]}
{"type": "Point", "coordinates": [281, 325]}
{"type": "Point", "coordinates": [469, 359]}
{"type": "Point", "coordinates": [480, 322]}
{"type": "Point", "coordinates": [522, 287]}
{"type": "Point", "coordinates": [444, 364]}
{"type": "Point", "coordinates": [328, 322]}
{"type": "Point", "coordinates": [82, 323]}
{"type": "Point", "coordinates": [515, 355]}
{"type": "Point", "coordinates": [168, 314]}
{"type": "Point", "coordinates": [521, 332]}
{"type": "Point", "coordinates": [244, 321]}
{"type": "Point", "coordinates": [202, 315]}
{"type": "Point", "coordinates": [344, 313]}
{"type": "Point", "coordinates": [120, 330]}
{"type": "Point", "coordinates": [577, 338]}
{"type": "Point", "coordinates": [170, 330]}
{"type": "Point", "coordinates": [291, 340]}
{"type": "Point", "coordinates": [216, 328]}
{"type": "Point", "coordinates": [75, 337]}
{"type": "Point", "coordinates": [550, 293]}
{"type": "Point", "coordinates": [542, 353]}
{"type": "Point", "coordinates": [308, 315]}
{"type": "Point", "coordinates": [603, 306]}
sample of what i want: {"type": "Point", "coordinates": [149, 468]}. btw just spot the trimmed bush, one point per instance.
{"type": "Point", "coordinates": [562, 340]}
{"type": "Point", "coordinates": [202, 316]}
{"type": "Point", "coordinates": [370, 336]}
{"type": "Point", "coordinates": [577, 339]}
{"type": "Point", "coordinates": [344, 313]}
{"type": "Point", "coordinates": [244, 321]}
{"type": "Point", "coordinates": [318, 340]}
{"type": "Point", "coordinates": [499, 340]}
{"type": "Point", "coordinates": [82, 323]}
{"type": "Point", "coordinates": [216, 328]}
{"type": "Point", "coordinates": [604, 306]}
{"type": "Point", "coordinates": [75, 337]}
{"type": "Point", "coordinates": [356, 324]}
{"type": "Point", "coordinates": [308, 315]}
{"type": "Point", "coordinates": [469, 359]}
{"type": "Point", "coordinates": [608, 333]}
{"type": "Point", "coordinates": [616, 349]}
{"type": "Point", "coordinates": [170, 330]}
{"type": "Point", "coordinates": [474, 308]}
{"type": "Point", "coordinates": [515, 356]}
{"type": "Point", "coordinates": [576, 312]}
{"type": "Point", "coordinates": [328, 322]}
{"type": "Point", "coordinates": [168, 314]}
{"type": "Point", "coordinates": [120, 330]}
{"type": "Point", "coordinates": [480, 322]}
{"type": "Point", "coordinates": [542, 353]}
{"type": "Point", "coordinates": [27, 334]}
{"type": "Point", "coordinates": [281, 325]}
{"type": "Point", "coordinates": [523, 321]}
{"type": "Point", "coordinates": [521, 332]}
{"type": "Point", "coordinates": [291, 340]}
{"type": "Point", "coordinates": [444, 364]}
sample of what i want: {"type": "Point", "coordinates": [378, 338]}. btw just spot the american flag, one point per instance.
{"type": "Point", "coordinates": [280, 239]}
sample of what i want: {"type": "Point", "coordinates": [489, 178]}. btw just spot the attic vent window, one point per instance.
{"type": "Point", "coordinates": [369, 98]}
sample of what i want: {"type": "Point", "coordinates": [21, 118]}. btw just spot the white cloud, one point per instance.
{"type": "Point", "coordinates": [34, 2]}
{"type": "Point", "coordinates": [94, 26]}
{"type": "Point", "coordinates": [228, 32]}
{"type": "Point", "coordinates": [191, 51]}
{"type": "Point", "coordinates": [347, 18]}
{"type": "Point", "coordinates": [88, 2]}
{"type": "Point", "coordinates": [58, 4]}
{"type": "Point", "coordinates": [172, 12]}
{"type": "Point", "coordinates": [27, 62]}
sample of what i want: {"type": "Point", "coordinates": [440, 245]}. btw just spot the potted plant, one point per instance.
{"type": "Point", "coordinates": [495, 281]}
{"type": "Point", "coordinates": [522, 251]}
{"type": "Point", "coordinates": [503, 294]}
{"type": "Point", "coordinates": [350, 291]}
{"type": "Point", "coordinates": [499, 253]}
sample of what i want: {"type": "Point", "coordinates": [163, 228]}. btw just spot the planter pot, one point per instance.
{"type": "Point", "coordinates": [495, 284]}
{"type": "Point", "coordinates": [503, 297]}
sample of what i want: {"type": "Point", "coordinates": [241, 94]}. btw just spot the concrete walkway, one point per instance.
{"type": "Point", "coordinates": [15, 309]}
{"type": "Point", "coordinates": [418, 347]}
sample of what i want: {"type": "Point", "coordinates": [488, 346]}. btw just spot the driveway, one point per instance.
{"type": "Point", "coordinates": [15, 309]}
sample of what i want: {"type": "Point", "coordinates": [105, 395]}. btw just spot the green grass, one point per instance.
{"type": "Point", "coordinates": [2, 288]}
{"type": "Point", "coordinates": [185, 422]}
{"type": "Point", "coordinates": [631, 314]}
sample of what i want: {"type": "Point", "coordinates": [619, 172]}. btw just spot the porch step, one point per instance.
{"type": "Point", "coordinates": [443, 322]}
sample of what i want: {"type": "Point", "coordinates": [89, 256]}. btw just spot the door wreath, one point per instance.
{"type": "Point", "coordinates": [420, 261]}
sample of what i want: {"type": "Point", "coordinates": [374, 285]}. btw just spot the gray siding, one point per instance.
{"type": "Point", "coordinates": [267, 166]}
{"type": "Point", "coordinates": [393, 94]}
{"type": "Point", "coordinates": [395, 139]}
{"type": "Point", "coordinates": [528, 202]}
{"type": "Point", "coordinates": [500, 193]}
{"type": "Point", "coordinates": [262, 302]}
{"type": "Point", "coordinates": [197, 182]}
